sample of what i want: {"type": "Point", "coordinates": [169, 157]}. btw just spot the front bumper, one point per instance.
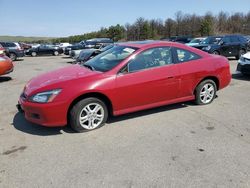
{"type": "Point", "coordinates": [243, 68]}
{"type": "Point", "coordinates": [48, 115]}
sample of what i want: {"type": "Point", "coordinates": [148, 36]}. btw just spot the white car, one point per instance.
{"type": "Point", "coordinates": [244, 64]}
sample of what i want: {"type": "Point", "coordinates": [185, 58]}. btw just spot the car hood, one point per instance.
{"type": "Point", "coordinates": [58, 76]}
{"type": "Point", "coordinates": [200, 46]}
{"type": "Point", "coordinates": [247, 55]}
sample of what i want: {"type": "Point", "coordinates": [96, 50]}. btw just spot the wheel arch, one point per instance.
{"type": "Point", "coordinates": [97, 95]}
{"type": "Point", "coordinates": [214, 78]}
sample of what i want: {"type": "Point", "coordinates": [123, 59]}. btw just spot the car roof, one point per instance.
{"type": "Point", "coordinates": [149, 43]}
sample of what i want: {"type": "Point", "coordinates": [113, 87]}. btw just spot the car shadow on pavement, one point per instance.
{"type": "Point", "coordinates": [5, 78]}
{"type": "Point", "coordinates": [21, 124]}
{"type": "Point", "coordinates": [239, 76]}
{"type": "Point", "coordinates": [18, 60]}
{"type": "Point", "coordinates": [149, 112]}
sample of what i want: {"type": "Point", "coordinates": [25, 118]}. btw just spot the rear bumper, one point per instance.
{"type": "Point", "coordinates": [48, 115]}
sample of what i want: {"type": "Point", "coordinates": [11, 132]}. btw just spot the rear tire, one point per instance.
{"type": "Point", "coordinates": [88, 114]}
{"type": "Point", "coordinates": [13, 56]}
{"type": "Point", "coordinates": [33, 54]}
{"type": "Point", "coordinates": [216, 53]}
{"type": "Point", "coordinates": [205, 92]}
{"type": "Point", "coordinates": [56, 53]}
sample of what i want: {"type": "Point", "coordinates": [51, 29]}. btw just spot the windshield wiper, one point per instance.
{"type": "Point", "coordinates": [89, 67]}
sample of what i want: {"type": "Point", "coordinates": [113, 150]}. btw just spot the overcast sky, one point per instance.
{"type": "Point", "coordinates": [57, 18]}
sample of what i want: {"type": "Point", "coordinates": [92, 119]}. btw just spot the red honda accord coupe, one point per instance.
{"type": "Point", "coordinates": [126, 78]}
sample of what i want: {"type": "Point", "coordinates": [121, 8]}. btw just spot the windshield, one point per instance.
{"type": "Point", "coordinates": [109, 59]}
{"type": "Point", "coordinates": [195, 41]}
{"type": "Point", "coordinates": [211, 40]}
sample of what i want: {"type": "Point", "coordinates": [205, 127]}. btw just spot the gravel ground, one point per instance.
{"type": "Point", "coordinates": [181, 145]}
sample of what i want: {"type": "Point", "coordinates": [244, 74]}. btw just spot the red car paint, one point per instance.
{"type": "Point", "coordinates": [127, 92]}
{"type": "Point", "coordinates": [6, 65]}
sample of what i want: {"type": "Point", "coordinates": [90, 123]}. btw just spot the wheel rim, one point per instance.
{"type": "Point", "coordinates": [12, 56]}
{"type": "Point", "coordinates": [215, 53]}
{"type": "Point", "coordinates": [56, 52]}
{"type": "Point", "coordinates": [91, 116]}
{"type": "Point", "coordinates": [33, 54]}
{"type": "Point", "coordinates": [207, 93]}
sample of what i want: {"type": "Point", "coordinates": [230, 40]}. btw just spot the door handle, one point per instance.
{"type": "Point", "coordinates": [170, 77]}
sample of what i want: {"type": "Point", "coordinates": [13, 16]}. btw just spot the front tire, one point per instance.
{"type": "Point", "coordinates": [56, 53]}
{"type": "Point", "coordinates": [33, 54]}
{"type": "Point", "coordinates": [88, 114]}
{"type": "Point", "coordinates": [216, 53]}
{"type": "Point", "coordinates": [13, 56]}
{"type": "Point", "coordinates": [205, 92]}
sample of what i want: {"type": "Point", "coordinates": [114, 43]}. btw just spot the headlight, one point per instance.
{"type": "Point", "coordinates": [45, 97]}
{"type": "Point", "coordinates": [207, 48]}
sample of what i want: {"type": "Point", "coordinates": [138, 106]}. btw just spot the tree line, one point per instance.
{"type": "Point", "coordinates": [182, 24]}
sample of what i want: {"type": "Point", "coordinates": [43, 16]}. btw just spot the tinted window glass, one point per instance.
{"type": "Point", "coordinates": [234, 39]}
{"type": "Point", "coordinates": [11, 44]}
{"type": "Point", "coordinates": [185, 55]}
{"type": "Point", "coordinates": [243, 39]}
{"type": "Point", "coordinates": [154, 57]}
{"type": "Point", "coordinates": [226, 40]}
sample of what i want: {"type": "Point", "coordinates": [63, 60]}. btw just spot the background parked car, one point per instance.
{"type": "Point", "coordinates": [195, 41]}
{"type": "Point", "coordinates": [248, 41]}
{"type": "Point", "coordinates": [244, 64]}
{"type": "Point", "coordinates": [87, 54]}
{"type": "Point", "coordinates": [227, 45]}
{"type": "Point", "coordinates": [77, 46]}
{"type": "Point", "coordinates": [97, 42]}
{"type": "Point", "coordinates": [2, 50]}
{"type": "Point", "coordinates": [14, 50]}
{"type": "Point", "coordinates": [6, 65]}
{"type": "Point", "coordinates": [25, 46]}
{"type": "Point", "coordinates": [179, 39]}
{"type": "Point", "coordinates": [45, 50]}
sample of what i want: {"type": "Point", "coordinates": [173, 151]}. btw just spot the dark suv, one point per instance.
{"type": "Point", "coordinates": [227, 45]}
{"type": "Point", "coordinates": [179, 39]}
{"type": "Point", "coordinates": [13, 50]}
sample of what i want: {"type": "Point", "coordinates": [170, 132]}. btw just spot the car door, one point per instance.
{"type": "Point", "coordinates": [190, 69]}
{"type": "Point", "coordinates": [226, 47]}
{"type": "Point", "coordinates": [149, 78]}
{"type": "Point", "coordinates": [235, 45]}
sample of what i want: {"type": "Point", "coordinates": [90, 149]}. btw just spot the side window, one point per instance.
{"type": "Point", "coordinates": [234, 39]}
{"type": "Point", "coordinates": [226, 40]}
{"type": "Point", "coordinates": [154, 57]}
{"type": "Point", "coordinates": [185, 55]}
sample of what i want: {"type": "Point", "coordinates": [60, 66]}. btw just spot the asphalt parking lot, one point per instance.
{"type": "Point", "coordinates": [181, 145]}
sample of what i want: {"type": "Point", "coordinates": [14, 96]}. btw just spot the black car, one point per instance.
{"type": "Point", "coordinates": [227, 45]}
{"type": "Point", "coordinates": [87, 54]}
{"type": "Point", "coordinates": [179, 39]}
{"type": "Point", "coordinates": [13, 50]}
{"type": "Point", "coordinates": [44, 50]}
{"type": "Point", "coordinates": [78, 46]}
{"type": "Point", "coordinates": [97, 42]}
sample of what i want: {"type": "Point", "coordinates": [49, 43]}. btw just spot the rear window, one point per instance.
{"type": "Point", "coordinates": [185, 55]}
